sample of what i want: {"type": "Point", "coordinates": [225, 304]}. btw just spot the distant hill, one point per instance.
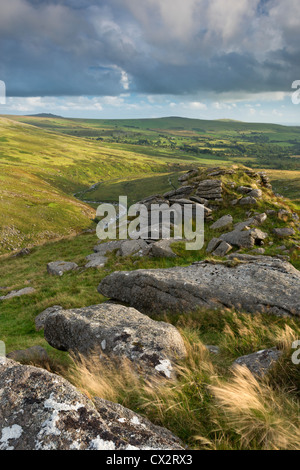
{"type": "Point", "coordinates": [45, 115]}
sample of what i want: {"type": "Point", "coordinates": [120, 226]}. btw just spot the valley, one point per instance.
{"type": "Point", "coordinates": [46, 161]}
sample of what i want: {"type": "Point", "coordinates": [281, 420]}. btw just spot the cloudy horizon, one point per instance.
{"type": "Point", "coordinates": [206, 59]}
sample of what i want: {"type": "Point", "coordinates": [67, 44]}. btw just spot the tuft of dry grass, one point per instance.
{"type": "Point", "coordinates": [259, 415]}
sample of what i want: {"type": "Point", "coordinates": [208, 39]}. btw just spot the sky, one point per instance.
{"type": "Point", "coordinates": [206, 59]}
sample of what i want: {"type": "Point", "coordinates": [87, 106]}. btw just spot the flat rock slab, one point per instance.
{"type": "Point", "coordinates": [259, 363]}
{"type": "Point", "coordinates": [108, 247]}
{"type": "Point", "coordinates": [117, 331]}
{"type": "Point", "coordinates": [260, 284]}
{"type": "Point", "coordinates": [58, 268]}
{"type": "Point", "coordinates": [256, 220]}
{"type": "Point", "coordinates": [223, 223]}
{"type": "Point", "coordinates": [18, 293]}
{"type": "Point", "coordinates": [42, 411]}
{"type": "Point", "coordinates": [95, 260]}
{"type": "Point", "coordinates": [122, 247]}
{"type": "Point", "coordinates": [284, 232]}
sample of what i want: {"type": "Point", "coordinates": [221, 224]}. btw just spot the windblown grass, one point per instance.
{"type": "Point", "coordinates": [210, 406]}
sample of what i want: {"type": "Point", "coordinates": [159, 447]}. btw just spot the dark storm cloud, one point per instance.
{"type": "Point", "coordinates": [86, 47]}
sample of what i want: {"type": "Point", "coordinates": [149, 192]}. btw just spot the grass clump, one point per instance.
{"type": "Point", "coordinates": [210, 405]}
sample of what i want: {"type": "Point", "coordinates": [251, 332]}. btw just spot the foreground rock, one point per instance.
{"type": "Point", "coordinates": [18, 293]}
{"type": "Point", "coordinates": [117, 331]}
{"type": "Point", "coordinates": [259, 363]}
{"type": "Point", "coordinates": [42, 411]}
{"type": "Point", "coordinates": [133, 427]}
{"type": "Point", "coordinates": [259, 284]}
{"type": "Point", "coordinates": [41, 318]}
{"type": "Point", "coordinates": [58, 268]}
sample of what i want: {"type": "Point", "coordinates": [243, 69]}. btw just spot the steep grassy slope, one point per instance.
{"type": "Point", "coordinates": [39, 173]}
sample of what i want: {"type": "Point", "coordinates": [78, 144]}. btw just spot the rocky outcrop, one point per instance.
{"type": "Point", "coordinates": [42, 411]}
{"type": "Point", "coordinates": [259, 363]}
{"type": "Point", "coordinates": [210, 189]}
{"type": "Point", "coordinates": [117, 331]}
{"type": "Point", "coordinates": [259, 284]}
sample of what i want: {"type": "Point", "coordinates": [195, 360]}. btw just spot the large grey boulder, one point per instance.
{"type": "Point", "coordinates": [244, 238]}
{"type": "Point", "coordinates": [117, 331]}
{"type": "Point", "coordinates": [59, 268]}
{"type": "Point", "coordinates": [255, 285]}
{"type": "Point", "coordinates": [133, 427]}
{"type": "Point", "coordinates": [259, 363]}
{"type": "Point", "coordinates": [42, 411]}
{"type": "Point", "coordinates": [41, 318]}
{"type": "Point", "coordinates": [18, 293]}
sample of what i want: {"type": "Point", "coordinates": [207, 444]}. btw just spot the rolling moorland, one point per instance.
{"type": "Point", "coordinates": [52, 173]}
{"type": "Point", "coordinates": [46, 161]}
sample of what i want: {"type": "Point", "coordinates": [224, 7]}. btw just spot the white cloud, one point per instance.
{"type": "Point", "coordinates": [124, 80]}
{"type": "Point", "coordinates": [196, 105]}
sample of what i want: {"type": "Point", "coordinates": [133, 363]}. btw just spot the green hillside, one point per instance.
{"type": "Point", "coordinates": [39, 173]}
{"type": "Point", "coordinates": [253, 144]}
